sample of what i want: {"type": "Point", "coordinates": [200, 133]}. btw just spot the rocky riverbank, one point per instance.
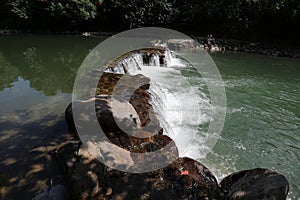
{"type": "Point", "coordinates": [185, 178]}
{"type": "Point", "coordinates": [216, 45]}
{"type": "Point", "coordinates": [210, 44]}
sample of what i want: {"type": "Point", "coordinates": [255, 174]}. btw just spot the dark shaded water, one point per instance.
{"type": "Point", "coordinates": [262, 127]}
{"type": "Point", "coordinates": [36, 81]}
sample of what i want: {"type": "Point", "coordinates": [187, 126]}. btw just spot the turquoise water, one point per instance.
{"type": "Point", "coordinates": [262, 127]}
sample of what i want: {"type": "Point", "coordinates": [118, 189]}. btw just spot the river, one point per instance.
{"type": "Point", "coordinates": [262, 126]}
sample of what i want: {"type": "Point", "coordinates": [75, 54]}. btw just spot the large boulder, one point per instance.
{"type": "Point", "coordinates": [134, 89]}
{"type": "Point", "coordinates": [122, 119]}
{"type": "Point", "coordinates": [86, 177]}
{"type": "Point", "coordinates": [255, 184]}
{"type": "Point", "coordinates": [123, 111]}
{"type": "Point", "coordinates": [90, 179]}
{"type": "Point", "coordinates": [183, 179]}
{"type": "Point", "coordinates": [191, 179]}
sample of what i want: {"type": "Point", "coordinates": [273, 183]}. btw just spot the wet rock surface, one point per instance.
{"type": "Point", "coordinates": [256, 183]}
{"type": "Point", "coordinates": [250, 47]}
{"type": "Point", "coordinates": [88, 178]}
{"type": "Point", "coordinates": [185, 178]}
{"type": "Point", "coordinates": [132, 111]}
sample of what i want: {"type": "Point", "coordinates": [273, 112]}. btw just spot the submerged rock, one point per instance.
{"type": "Point", "coordinates": [254, 184]}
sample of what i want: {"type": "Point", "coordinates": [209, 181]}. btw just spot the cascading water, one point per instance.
{"type": "Point", "coordinates": [154, 60]}
{"type": "Point", "coordinates": [128, 65]}
{"type": "Point", "coordinates": [181, 108]}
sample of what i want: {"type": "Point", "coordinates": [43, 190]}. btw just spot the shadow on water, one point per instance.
{"type": "Point", "coordinates": [25, 166]}
{"type": "Point", "coordinates": [36, 79]}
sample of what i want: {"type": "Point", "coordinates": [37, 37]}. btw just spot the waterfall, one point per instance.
{"type": "Point", "coordinates": [179, 108]}
{"type": "Point", "coordinates": [133, 62]}
{"type": "Point", "coordinates": [168, 57]}
{"type": "Point", "coordinates": [154, 60]}
{"type": "Point", "coordinates": [127, 65]}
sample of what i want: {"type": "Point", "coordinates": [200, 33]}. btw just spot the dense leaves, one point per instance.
{"type": "Point", "coordinates": [237, 17]}
{"type": "Point", "coordinates": [137, 13]}
{"type": "Point", "coordinates": [74, 11]}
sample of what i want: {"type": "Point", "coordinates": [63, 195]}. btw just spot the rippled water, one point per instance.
{"type": "Point", "coordinates": [262, 127]}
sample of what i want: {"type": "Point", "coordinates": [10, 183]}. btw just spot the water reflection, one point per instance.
{"type": "Point", "coordinates": [48, 64]}
{"type": "Point", "coordinates": [8, 73]}
{"type": "Point", "coordinates": [36, 79]}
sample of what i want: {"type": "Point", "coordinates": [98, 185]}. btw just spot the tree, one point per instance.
{"type": "Point", "coordinates": [20, 7]}
{"type": "Point", "coordinates": [74, 11]}
{"type": "Point", "coordinates": [137, 13]}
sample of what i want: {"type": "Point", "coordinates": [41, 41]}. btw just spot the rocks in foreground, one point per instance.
{"type": "Point", "coordinates": [185, 178]}
{"type": "Point", "coordinates": [253, 184]}
{"type": "Point", "coordinates": [89, 179]}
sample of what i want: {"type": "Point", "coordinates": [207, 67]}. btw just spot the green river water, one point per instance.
{"type": "Point", "coordinates": [262, 127]}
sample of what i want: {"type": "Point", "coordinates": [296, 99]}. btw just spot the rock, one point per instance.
{"type": "Point", "coordinates": [70, 120]}
{"type": "Point", "coordinates": [86, 177]}
{"type": "Point", "coordinates": [41, 195]}
{"type": "Point", "coordinates": [123, 128]}
{"type": "Point", "coordinates": [253, 47]}
{"type": "Point", "coordinates": [168, 183]}
{"type": "Point", "coordinates": [133, 154]}
{"type": "Point", "coordinates": [106, 83]}
{"type": "Point", "coordinates": [182, 44]}
{"type": "Point", "coordinates": [57, 192]}
{"type": "Point", "coordinates": [256, 183]}
{"type": "Point", "coordinates": [195, 179]}
{"type": "Point", "coordinates": [89, 179]}
{"type": "Point", "coordinates": [126, 119]}
{"type": "Point", "coordinates": [132, 114]}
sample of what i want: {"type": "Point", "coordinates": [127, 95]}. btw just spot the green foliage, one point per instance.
{"type": "Point", "coordinates": [8, 72]}
{"type": "Point", "coordinates": [232, 16]}
{"type": "Point", "coordinates": [74, 11]}
{"type": "Point", "coordinates": [241, 15]}
{"type": "Point", "coordinates": [137, 13]}
{"type": "Point", "coordinates": [20, 7]}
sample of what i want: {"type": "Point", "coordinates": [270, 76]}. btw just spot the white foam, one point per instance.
{"type": "Point", "coordinates": [179, 108]}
